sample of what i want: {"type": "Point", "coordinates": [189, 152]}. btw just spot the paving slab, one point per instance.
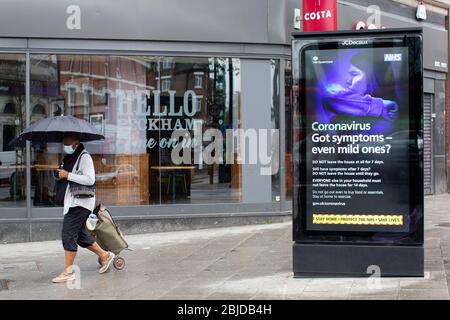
{"type": "Point", "coordinates": [247, 262]}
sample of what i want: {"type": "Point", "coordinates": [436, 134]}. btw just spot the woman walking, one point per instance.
{"type": "Point", "coordinates": [77, 209]}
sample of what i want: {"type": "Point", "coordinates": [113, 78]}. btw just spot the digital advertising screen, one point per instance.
{"type": "Point", "coordinates": [361, 144]}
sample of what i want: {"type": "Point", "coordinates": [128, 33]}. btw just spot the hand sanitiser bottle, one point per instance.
{"type": "Point", "coordinates": [91, 222]}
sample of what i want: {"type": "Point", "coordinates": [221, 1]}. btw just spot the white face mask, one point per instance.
{"type": "Point", "coordinates": [68, 149]}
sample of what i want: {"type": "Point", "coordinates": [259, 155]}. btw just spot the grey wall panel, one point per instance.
{"type": "Point", "coordinates": [255, 114]}
{"type": "Point", "coordinates": [159, 47]}
{"type": "Point", "coordinates": [10, 43]}
{"type": "Point", "coordinates": [435, 49]}
{"type": "Point", "coordinates": [13, 213]}
{"type": "Point", "coordinates": [246, 21]}
{"type": "Point", "coordinates": [428, 85]}
{"type": "Point", "coordinates": [281, 19]}
{"type": "Point", "coordinates": [210, 209]}
{"type": "Point", "coordinates": [434, 75]}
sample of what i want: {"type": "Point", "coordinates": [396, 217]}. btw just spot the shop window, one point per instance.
{"type": "Point", "coordinates": [86, 103]}
{"type": "Point", "coordinates": [80, 64]}
{"type": "Point", "coordinates": [12, 151]}
{"type": "Point", "coordinates": [135, 164]}
{"type": "Point", "coordinates": [198, 105]}
{"type": "Point", "coordinates": [167, 64]}
{"type": "Point", "coordinates": [90, 66]}
{"type": "Point", "coordinates": [71, 62]}
{"type": "Point", "coordinates": [10, 108]}
{"type": "Point", "coordinates": [57, 111]}
{"type": "Point", "coordinates": [39, 109]}
{"type": "Point", "coordinates": [71, 96]}
{"type": "Point", "coordinates": [133, 71]}
{"type": "Point", "coordinates": [165, 84]}
{"type": "Point", "coordinates": [106, 69]}
{"type": "Point", "coordinates": [118, 68]}
{"type": "Point", "coordinates": [198, 80]}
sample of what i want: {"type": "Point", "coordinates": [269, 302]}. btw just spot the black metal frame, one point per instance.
{"type": "Point", "coordinates": [413, 41]}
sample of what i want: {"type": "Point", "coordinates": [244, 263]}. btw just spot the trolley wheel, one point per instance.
{"type": "Point", "coordinates": [119, 263]}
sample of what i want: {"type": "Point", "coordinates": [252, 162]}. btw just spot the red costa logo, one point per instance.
{"type": "Point", "coordinates": [319, 15]}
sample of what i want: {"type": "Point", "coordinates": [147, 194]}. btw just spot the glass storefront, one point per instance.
{"type": "Point", "coordinates": [12, 122]}
{"type": "Point", "coordinates": [137, 102]}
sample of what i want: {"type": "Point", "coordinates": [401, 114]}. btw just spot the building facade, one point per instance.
{"type": "Point", "coordinates": [402, 13]}
{"type": "Point", "coordinates": [138, 71]}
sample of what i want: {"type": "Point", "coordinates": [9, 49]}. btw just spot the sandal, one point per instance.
{"type": "Point", "coordinates": [107, 263]}
{"type": "Point", "coordinates": [64, 277]}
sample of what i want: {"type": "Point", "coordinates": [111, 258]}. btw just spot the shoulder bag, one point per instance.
{"type": "Point", "coordinates": [80, 190]}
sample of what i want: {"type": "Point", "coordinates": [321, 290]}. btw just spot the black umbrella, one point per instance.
{"type": "Point", "coordinates": [17, 142]}
{"type": "Point", "coordinates": [53, 129]}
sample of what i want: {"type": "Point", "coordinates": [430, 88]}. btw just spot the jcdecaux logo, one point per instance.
{"type": "Point", "coordinates": [355, 42]}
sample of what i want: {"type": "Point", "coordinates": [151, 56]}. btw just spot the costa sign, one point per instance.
{"type": "Point", "coordinates": [319, 15]}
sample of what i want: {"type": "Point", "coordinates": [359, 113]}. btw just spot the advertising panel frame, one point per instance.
{"type": "Point", "coordinates": [336, 252]}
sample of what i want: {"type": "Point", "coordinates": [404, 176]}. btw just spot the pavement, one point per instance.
{"type": "Point", "coordinates": [248, 262]}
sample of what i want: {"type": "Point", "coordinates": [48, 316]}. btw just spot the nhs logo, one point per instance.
{"type": "Point", "coordinates": [391, 57]}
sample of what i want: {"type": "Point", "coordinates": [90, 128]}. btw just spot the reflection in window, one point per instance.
{"type": "Point", "coordinates": [167, 63]}
{"type": "Point", "coordinates": [12, 122]}
{"type": "Point", "coordinates": [57, 110]}
{"type": "Point", "coordinates": [275, 119]}
{"type": "Point", "coordinates": [138, 115]}
{"type": "Point", "coordinates": [198, 80]}
{"type": "Point", "coordinates": [71, 96]}
{"type": "Point", "coordinates": [198, 105]}
{"type": "Point", "coordinates": [39, 109]}
{"type": "Point", "coordinates": [118, 68]}
{"type": "Point", "coordinates": [86, 103]}
{"type": "Point", "coordinates": [71, 62]}
{"type": "Point", "coordinates": [10, 108]}
{"type": "Point", "coordinates": [166, 82]}
{"type": "Point", "coordinates": [133, 71]}
{"type": "Point", "coordinates": [90, 66]}
{"type": "Point", "coordinates": [80, 64]}
{"type": "Point", "coordinates": [106, 69]}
